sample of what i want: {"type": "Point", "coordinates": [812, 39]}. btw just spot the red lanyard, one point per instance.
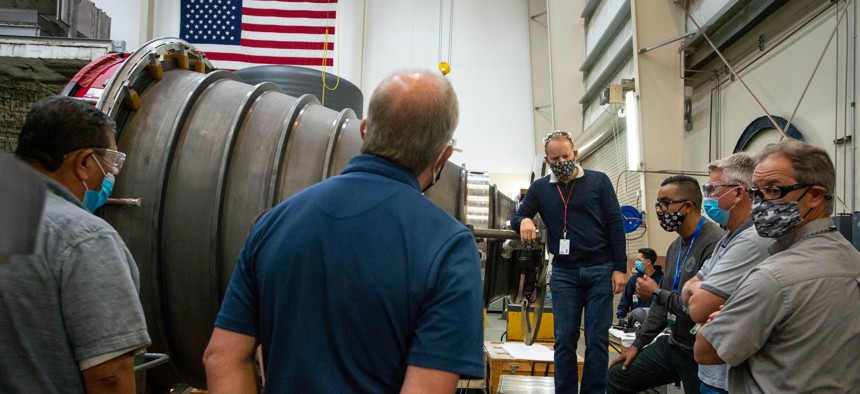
{"type": "Point", "coordinates": [564, 236]}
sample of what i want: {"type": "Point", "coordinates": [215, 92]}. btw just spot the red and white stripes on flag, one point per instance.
{"type": "Point", "coordinates": [284, 32]}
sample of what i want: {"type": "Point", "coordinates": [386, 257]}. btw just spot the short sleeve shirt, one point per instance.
{"type": "Point", "coordinates": [790, 326]}
{"type": "Point", "coordinates": [73, 301]}
{"type": "Point", "coordinates": [352, 280]}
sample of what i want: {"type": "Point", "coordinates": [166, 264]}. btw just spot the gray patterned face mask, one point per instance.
{"type": "Point", "coordinates": [775, 219]}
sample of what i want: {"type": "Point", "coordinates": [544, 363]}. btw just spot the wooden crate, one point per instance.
{"type": "Point", "coordinates": [499, 363]}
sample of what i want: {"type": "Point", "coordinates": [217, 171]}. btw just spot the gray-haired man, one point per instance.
{"type": "Point", "coordinates": [785, 328]}
{"type": "Point", "coordinates": [728, 204]}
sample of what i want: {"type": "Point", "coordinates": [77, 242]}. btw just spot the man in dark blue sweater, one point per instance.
{"type": "Point", "coordinates": [630, 300]}
{"type": "Point", "coordinates": [586, 239]}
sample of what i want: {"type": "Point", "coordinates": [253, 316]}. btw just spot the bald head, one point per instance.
{"type": "Point", "coordinates": [411, 117]}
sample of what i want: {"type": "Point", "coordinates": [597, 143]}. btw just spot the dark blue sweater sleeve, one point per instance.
{"type": "Point", "coordinates": [614, 225]}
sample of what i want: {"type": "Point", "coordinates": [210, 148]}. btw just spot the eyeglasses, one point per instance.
{"type": "Point", "coordinates": [453, 145]}
{"type": "Point", "coordinates": [114, 160]}
{"type": "Point", "coordinates": [768, 193]}
{"type": "Point", "coordinates": [709, 189]}
{"type": "Point", "coordinates": [663, 205]}
{"type": "Point", "coordinates": [556, 133]}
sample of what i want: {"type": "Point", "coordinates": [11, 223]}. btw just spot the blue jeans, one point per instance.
{"type": "Point", "coordinates": [572, 289]}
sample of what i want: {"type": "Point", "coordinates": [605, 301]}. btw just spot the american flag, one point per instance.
{"type": "Point", "coordinates": [236, 34]}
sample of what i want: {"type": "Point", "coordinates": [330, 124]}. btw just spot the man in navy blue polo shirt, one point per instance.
{"type": "Point", "coordinates": [586, 239]}
{"type": "Point", "coordinates": [360, 283]}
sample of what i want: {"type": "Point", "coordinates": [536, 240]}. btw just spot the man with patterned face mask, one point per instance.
{"type": "Point", "coordinates": [586, 238]}
{"type": "Point", "coordinates": [70, 315]}
{"type": "Point", "coordinates": [785, 327]}
{"type": "Point", "coordinates": [669, 359]}
{"type": "Point", "coordinates": [727, 203]}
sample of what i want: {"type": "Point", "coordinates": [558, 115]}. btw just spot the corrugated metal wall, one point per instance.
{"type": "Point", "coordinates": [611, 159]}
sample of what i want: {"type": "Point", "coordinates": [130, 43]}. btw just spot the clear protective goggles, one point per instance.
{"type": "Point", "coordinates": [112, 159]}
{"type": "Point", "coordinates": [709, 189]}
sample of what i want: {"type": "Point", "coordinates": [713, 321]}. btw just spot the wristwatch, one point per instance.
{"type": "Point", "coordinates": [655, 296]}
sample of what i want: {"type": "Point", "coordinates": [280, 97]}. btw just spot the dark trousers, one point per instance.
{"type": "Point", "coordinates": [660, 363]}
{"type": "Point", "coordinates": [575, 289]}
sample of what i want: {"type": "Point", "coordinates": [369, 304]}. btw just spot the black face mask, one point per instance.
{"type": "Point", "coordinates": [436, 179]}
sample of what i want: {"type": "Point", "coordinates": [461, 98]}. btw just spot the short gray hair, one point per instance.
{"type": "Point", "coordinates": [811, 165]}
{"type": "Point", "coordinates": [411, 121]}
{"type": "Point", "coordinates": [737, 168]}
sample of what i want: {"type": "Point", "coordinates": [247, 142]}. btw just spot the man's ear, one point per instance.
{"type": "Point", "coordinates": [362, 128]}
{"type": "Point", "coordinates": [575, 155]}
{"type": "Point", "coordinates": [78, 161]}
{"type": "Point", "coordinates": [817, 194]}
{"type": "Point", "coordinates": [445, 156]}
{"type": "Point", "coordinates": [737, 194]}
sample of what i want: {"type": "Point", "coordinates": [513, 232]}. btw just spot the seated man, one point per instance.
{"type": "Point", "coordinates": [670, 357]}
{"type": "Point", "coordinates": [728, 204]}
{"type": "Point", "coordinates": [791, 325]}
{"type": "Point", "coordinates": [630, 300]}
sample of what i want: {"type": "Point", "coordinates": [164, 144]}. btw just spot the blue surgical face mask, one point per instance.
{"type": "Point", "coordinates": [639, 266]}
{"type": "Point", "coordinates": [712, 209]}
{"type": "Point", "coordinates": [94, 199]}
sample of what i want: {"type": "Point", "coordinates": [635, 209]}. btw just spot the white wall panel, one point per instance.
{"type": "Point", "coordinates": [778, 80]}
{"type": "Point", "coordinates": [614, 47]}
{"type": "Point", "coordinates": [594, 111]}
{"type": "Point", "coordinates": [611, 159]}
{"type": "Point", "coordinates": [604, 14]}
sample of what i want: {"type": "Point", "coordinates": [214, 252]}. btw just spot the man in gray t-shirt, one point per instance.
{"type": "Point", "coordinates": [727, 203]}
{"type": "Point", "coordinates": [787, 326]}
{"type": "Point", "coordinates": [669, 358]}
{"type": "Point", "coordinates": [70, 314]}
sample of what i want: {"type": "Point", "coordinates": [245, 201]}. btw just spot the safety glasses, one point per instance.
{"type": "Point", "coordinates": [709, 189]}
{"type": "Point", "coordinates": [111, 158]}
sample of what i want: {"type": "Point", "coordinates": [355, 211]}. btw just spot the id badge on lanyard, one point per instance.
{"type": "Point", "coordinates": [564, 243]}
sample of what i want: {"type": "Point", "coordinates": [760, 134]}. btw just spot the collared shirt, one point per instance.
{"type": "Point", "coordinates": [580, 172]}
{"type": "Point", "coordinates": [736, 254]}
{"type": "Point", "coordinates": [353, 279]}
{"type": "Point", "coordinates": [70, 304]}
{"type": "Point", "coordinates": [791, 325]}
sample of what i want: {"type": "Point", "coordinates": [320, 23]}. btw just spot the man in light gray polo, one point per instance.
{"type": "Point", "coordinates": [791, 325]}
{"type": "Point", "coordinates": [727, 203]}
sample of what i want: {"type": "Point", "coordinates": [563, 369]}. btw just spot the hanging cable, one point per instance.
{"type": "Point", "coordinates": [444, 65]}
{"type": "Point", "coordinates": [720, 54]}
{"type": "Point", "coordinates": [439, 51]}
{"type": "Point", "coordinates": [325, 54]}
{"type": "Point", "coordinates": [451, 33]}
